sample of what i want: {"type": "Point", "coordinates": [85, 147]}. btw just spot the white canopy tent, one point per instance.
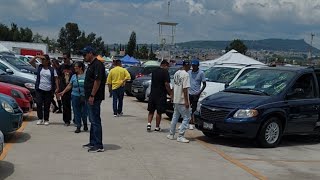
{"type": "Point", "coordinates": [231, 57]}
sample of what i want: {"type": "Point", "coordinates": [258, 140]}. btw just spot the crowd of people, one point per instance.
{"type": "Point", "coordinates": [83, 89]}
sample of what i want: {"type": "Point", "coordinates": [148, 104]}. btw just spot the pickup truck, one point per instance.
{"type": "Point", "coordinates": [264, 105]}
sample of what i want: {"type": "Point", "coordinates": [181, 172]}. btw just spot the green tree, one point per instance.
{"type": "Point", "coordinates": [68, 37]}
{"type": "Point", "coordinates": [4, 32]}
{"type": "Point", "coordinates": [37, 38]}
{"type": "Point", "coordinates": [152, 55]}
{"type": "Point", "coordinates": [144, 52]}
{"type": "Point", "coordinates": [237, 45]}
{"type": "Point", "coordinates": [132, 44]}
{"type": "Point", "coordinates": [15, 33]}
{"type": "Point", "coordinates": [26, 35]}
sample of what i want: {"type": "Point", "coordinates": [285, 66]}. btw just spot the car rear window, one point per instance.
{"type": "Point", "coordinates": [149, 70]}
{"type": "Point", "coordinates": [135, 70]}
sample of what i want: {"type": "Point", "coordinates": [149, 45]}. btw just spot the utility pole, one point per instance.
{"type": "Point", "coordinates": [311, 41]}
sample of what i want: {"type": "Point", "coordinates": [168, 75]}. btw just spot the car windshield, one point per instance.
{"type": "Point", "coordinates": [2, 72]}
{"type": "Point", "coordinates": [262, 82]}
{"type": "Point", "coordinates": [15, 61]}
{"type": "Point", "coordinates": [221, 74]}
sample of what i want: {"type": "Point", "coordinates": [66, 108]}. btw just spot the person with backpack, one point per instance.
{"type": "Point", "coordinates": [47, 84]}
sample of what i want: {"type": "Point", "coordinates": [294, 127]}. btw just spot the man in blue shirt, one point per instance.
{"type": "Point", "coordinates": [197, 78]}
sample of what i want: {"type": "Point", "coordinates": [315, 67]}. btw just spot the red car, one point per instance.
{"type": "Point", "coordinates": [20, 94]}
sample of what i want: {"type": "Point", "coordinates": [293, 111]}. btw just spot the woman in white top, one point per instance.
{"type": "Point", "coordinates": [46, 85]}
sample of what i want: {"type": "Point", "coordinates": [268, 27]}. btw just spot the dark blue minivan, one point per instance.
{"type": "Point", "coordinates": [264, 104]}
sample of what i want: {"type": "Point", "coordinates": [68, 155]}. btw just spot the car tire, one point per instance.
{"type": "Point", "coordinates": [270, 133]}
{"type": "Point", "coordinates": [141, 99]}
{"type": "Point", "coordinates": [210, 134]}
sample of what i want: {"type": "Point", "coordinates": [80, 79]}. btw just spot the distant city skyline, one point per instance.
{"type": "Point", "coordinates": [114, 20]}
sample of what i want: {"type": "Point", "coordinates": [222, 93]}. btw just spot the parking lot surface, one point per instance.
{"type": "Point", "coordinates": [54, 152]}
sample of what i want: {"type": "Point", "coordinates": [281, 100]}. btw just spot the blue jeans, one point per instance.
{"type": "Point", "coordinates": [95, 120]}
{"type": "Point", "coordinates": [180, 109]}
{"type": "Point", "coordinates": [117, 95]}
{"type": "Point", "coordinates": [79, 111]}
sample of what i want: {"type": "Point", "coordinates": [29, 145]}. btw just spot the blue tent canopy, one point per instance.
{"type": "Point", "coordinates": [130, 60]}
{"type": "Point", "coordinates": [125, 58]}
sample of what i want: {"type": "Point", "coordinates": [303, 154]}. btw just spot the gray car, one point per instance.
{"type": "Point", "coordinates": [10, 69]}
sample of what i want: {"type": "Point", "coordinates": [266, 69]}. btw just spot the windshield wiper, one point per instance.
{"type": "Point", "coordinates": [247, 91]}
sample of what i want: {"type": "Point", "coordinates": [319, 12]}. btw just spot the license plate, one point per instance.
{"type": "Point", "coordinates": [135, 90]}
{"type": "Point", "coordinates": [208, 126]}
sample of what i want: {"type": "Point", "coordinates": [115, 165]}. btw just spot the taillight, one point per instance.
{"type": "Point", "coordinates": [139, 75]}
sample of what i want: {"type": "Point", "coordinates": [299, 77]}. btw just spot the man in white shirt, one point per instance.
{"type": "Point", "coordinates": [181, 102]}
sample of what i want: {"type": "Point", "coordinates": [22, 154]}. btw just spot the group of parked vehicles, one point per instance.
{"type": "Point", "coordinates": [17, 89]}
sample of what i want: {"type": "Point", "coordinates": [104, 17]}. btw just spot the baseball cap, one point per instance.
{"type": "Point", "coordinates": [87, 50]}
{"type": "Point", "coordinates": [186, 63]}
{"type": "Point", "coordinates": [195, 62]}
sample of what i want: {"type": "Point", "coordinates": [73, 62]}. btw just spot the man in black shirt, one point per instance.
{"type": "Point", "coordinates": [160, 86]}
{"type": "Point", "coordinates": [65, 73]}
{"type": "Point", "coordinates": [94, 85]}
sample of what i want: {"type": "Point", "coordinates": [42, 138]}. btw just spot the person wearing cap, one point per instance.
{"type": "Point", "coordinates": [160, 87]}
{"type": "Point", "coordinates": [66, 71]}
{"type": "Point", "coordinates": [181, 85]}
{"type": "Point", "coordinates": [94, 88]}
{"type": "Point", "coordinates": [47, 84]}
{"type": "Point", "coordinates": [117, 78]}
{"type": "Point", "coordinates": [197, 77]}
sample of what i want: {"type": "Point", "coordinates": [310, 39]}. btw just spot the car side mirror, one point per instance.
{"type": "Point", "coordinates": [9, 71]}
{"type": "Point", "coordinates": [296, 93]}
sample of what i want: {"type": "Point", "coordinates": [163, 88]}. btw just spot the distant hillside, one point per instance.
{"type": "Point", "coordinates": [266, 44]}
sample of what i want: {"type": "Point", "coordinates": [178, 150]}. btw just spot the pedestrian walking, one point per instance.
{"type": "Point", "coordinates": [116, 81]}
{"type": "Point", "coordinates": [57, 108]}
{"type": "Point", "coordinates": [78, 96]}
{"type": "Point", "coordinates": [46, 85]}
{"type": "Point", "coordinates": [94, 86]}
{"type": "Point", "coordinates": [181, 102]}
{"type": "Point", "coordinates": [160, 87]}
{"type": "Point", "coordinates": [197, 77]}
{"type": "Point", "coordinates": [66, 70]}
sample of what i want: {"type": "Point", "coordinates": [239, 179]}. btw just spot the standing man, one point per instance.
{"type": "Point", "coordinates": [160, 87]}
{"type": "Point", "coordinates": [94, 86]}
{"type": "Point", "coordinates": [197, 78]}
{"type": "Point", "coordinates": [66, 71]}
{"type": "Point", "coordinates": [117, 78]}
{"type": "Point", "coordinates": [181, 102]}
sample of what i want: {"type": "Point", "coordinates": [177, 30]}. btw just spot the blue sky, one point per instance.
{"type": "Point", "coordinates": [114, 20]}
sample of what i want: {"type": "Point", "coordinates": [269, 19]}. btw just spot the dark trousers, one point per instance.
{"type": "Point", "coordinates": [43, 100]}
{"type": "Point", "coordinates": [66, 106]}
{"type": "Point", "coordinates": [95, 120]}
{"type": "Point", "coordinates": [118, 95]}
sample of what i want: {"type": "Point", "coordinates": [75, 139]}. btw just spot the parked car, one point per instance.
{"type": "Point", "coordinates": [19, 81]}
{"type": "Point", "coordinates": [10, 69]}
{"type": "Point", "coordinates": [10, 113]}
{"type": "Point", "coordinates": [19, 64]}
{"type": "Point", "coordinates": [136, 72]}
{"type": "Point", "coordinates": [1, 142]}
{"type": "Point", "coordinates": [218, 78]}
{"type": "Point", "coordinates": [21, 95]}
{"type": "Point", "coordinates": [264, 104]}
{"type": "Point", "coordinates": [141, 87]}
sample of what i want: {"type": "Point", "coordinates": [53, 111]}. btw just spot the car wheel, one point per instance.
{"type": "Point", "coordinates": [210, 134]}
{"type": "Point", "coordinates": [270, 133]}
{"type": "Point", "coordinates": [141, 99]}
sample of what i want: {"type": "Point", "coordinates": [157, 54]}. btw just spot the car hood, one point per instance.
{"type": "Point", "coordinates": [11, 86]}
{"type": "Point", "coordinates": [235, 100]}
{"type": "Point", "coordinates": [211, 88]}
{"type": "Point", "coordinates": [11, 79]}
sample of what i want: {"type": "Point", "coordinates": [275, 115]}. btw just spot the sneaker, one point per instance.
{"type": "Point", "coordinates": [171, 137]}
{"type": "Point", "coordinates": [95, 149]}
{"type": "Point", "coordinates": [115, 115]}
{"type": "Point", "coordinates": [157, 129]}
{"type": "Point", "coordinates": [149, 127]}
{"type": "Point", "coordinates": [77, 130]}
{"type": "Point", "coordinates": [191, 127]}
{"type": "Point", "coordinates": [183, 140]}
{"type": "Point", "coordinates": [120, 114]}
{"type": "Point", "coordinates": [46, 123]}
{"type": "Point", "coordinates": [87, 146]}
{"type": "Point", "coordinates": [39, 122]}
{"type": "Point", "coordinates": [66, 124]}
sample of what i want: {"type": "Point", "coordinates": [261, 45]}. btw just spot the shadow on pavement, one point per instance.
{"type": "Point", "coordinates": [17, 137]}
{"type": "Point", "coordinates": [293, 140]}
{"type": "Point", "coordinates": [111, 147]}
{"type": "Point", "coordinates": [29, 118]}
{"type": "Point", "coordinates": [6, 169]}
